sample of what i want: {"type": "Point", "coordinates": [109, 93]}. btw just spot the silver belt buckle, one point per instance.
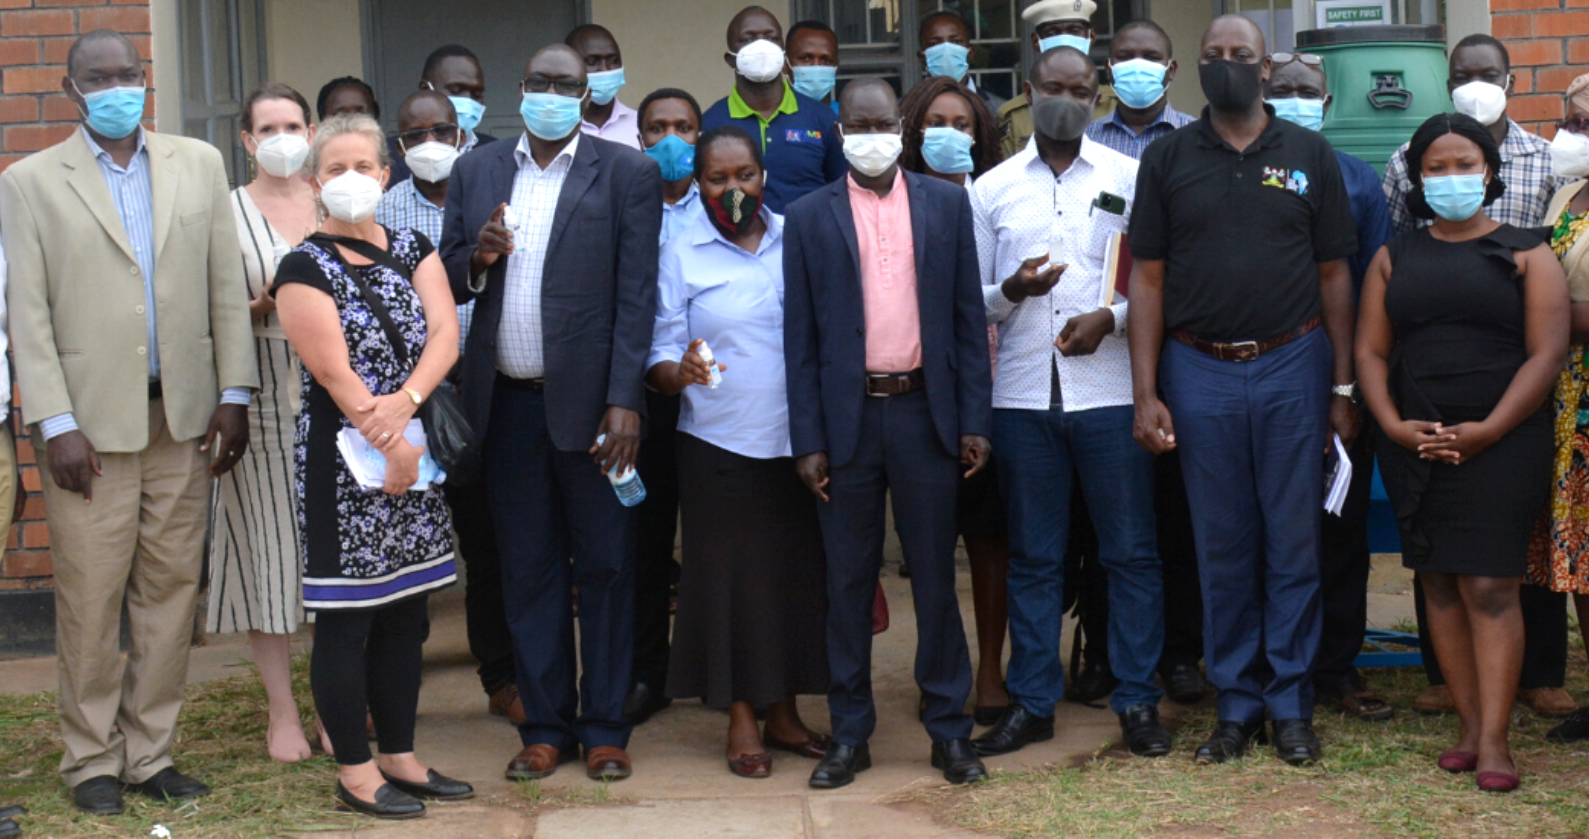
{"type": "Point", "coordinates": [1245, 350]}
{"type": "Point", "coordinates": [870, 379]}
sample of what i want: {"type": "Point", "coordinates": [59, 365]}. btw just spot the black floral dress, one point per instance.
{"type": "Point", "coordinates": [361, 547]}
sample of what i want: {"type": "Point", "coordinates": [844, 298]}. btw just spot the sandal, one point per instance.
{"type": "Point", "coordinates": [756, 766]}
{"type": "Point", "coordinates": [1364, 705]}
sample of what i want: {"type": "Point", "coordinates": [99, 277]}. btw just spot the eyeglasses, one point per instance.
{"type": "Point", "coordinates": [541, 84]}
{"type": "Point", "coordinates": [1281, 59]}
{"type": "Point", "coordinates": [444, 132]}
{"type": "Point", "coordinates": [1576, 125]}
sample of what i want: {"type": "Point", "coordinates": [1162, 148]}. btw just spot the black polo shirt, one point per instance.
{"type": "Point", "coordinates": [1241, 233]}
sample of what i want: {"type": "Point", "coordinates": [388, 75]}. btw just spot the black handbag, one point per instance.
{"type": "Point", "coordinates": [449, 438]}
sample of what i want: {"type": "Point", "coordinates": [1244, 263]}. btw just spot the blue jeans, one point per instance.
{"type": "Point", "coordinates": [1038, 451]}
{"type": "Point", "coordinates": [1252, 436]}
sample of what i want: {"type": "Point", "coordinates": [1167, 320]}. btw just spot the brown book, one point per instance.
{"type": "Point", "coordinates": [1116, 271]}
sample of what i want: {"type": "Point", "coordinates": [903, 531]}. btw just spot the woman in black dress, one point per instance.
{"type": "Point", "coordinates": [1462, 329]}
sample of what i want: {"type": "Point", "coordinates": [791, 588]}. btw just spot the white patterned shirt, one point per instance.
{"type": "Point", "coordinates": [531, 211]}
{"type": "Point", "coordinates": [1015, 206]}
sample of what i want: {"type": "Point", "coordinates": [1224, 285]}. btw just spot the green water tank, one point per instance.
{"type": "Point", "coordinates": [1384, 80]}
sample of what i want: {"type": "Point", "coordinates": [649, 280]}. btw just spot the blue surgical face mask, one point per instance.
{"type": "Point", "coordinates": [1454, 197]}
{"type": "Point", "coordinates": [1308, 113]}
{"type": "Point", "coordinates": [469, 112]}
{"type": "Point", "coordinates": [1139, 82]}
{"type": "Point", "coordinates": [948, 59]}
{"type": "Point", "coordinates": [114, 112]}
{"type": "Point", "coordinates": [947, 151]}
{"type": "Point", "coordinates": [604, 85]}
{"type": "Point", "coordinates": [676, 157]}
{"type": "Point", "coordinates": [815, 81]}
{"type": "Point", "coordinates": [1074, 41]}
{"type": "Point", "coordinates": [551, 116]}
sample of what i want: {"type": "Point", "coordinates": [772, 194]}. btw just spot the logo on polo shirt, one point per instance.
{"type": "Point", "coordinates": [1293, 180]}
{"type": "Point", "coordinates": [795, 135]}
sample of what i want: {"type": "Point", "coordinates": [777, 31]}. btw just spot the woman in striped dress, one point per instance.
{"type": "Point", "coordinates": [255, 570]}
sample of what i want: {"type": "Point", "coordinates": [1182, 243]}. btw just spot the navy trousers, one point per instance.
{"type": "Point", "coordinates": [1251, 437]}
{"type": "Point", "coordinates": [1343, 575]}
{"type": "Point", "coordinates": [658, 531]}
{"type": "Point", "coordinates": [899, 454]}
{"type": "Point", "coordinates": [550, 505]}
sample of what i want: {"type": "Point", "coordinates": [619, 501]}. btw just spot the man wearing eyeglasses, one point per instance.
{"type": "Point", "coordinates": [556, 235]}
{"type": "Point", "coordinates": [454, 72]}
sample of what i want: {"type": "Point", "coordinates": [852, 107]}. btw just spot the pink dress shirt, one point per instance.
{"type": "Point", "coordinates": [888, 277]}
{"type": "Point", "coordinates": [622, 127]}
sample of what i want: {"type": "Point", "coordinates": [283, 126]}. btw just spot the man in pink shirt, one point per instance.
{"type": "Point", "coordinates": [886, 348]}
{"type": "Point", "coordinates": [605, 116]}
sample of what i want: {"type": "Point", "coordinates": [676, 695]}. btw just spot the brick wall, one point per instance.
{"type": "Point", "coordinates": [35, 114]}
{"type": "Point", "coordinates": [1549, 48]}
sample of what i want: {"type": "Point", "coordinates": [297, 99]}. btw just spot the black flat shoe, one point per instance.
{"type": "Point", "coordinates": [9, 828]}
{"type": "Point", "coordinates": [1295, 742]}
{"type": "Point", "coordinates": [389, 803]}
{"type": "Point", "coordinates": [13, 811]}
{"type": "Point", "coordinates": [1184, 684]}
{"type": "Point", "coordinates": [1573, 729]}
{"type": "Point", "coordinates": [643, 701]}
{"type": "Point", "coordinates": [1014, 731]}
{"type": "Point", "coordinates": [437, 787]}
{"type": "Point", "coordinates": [1093, 683]}
{"type": "Point", "coordinates": [1229, 741]}
{"type": "Point", "coordinates": [170, 785]}
{"type": "Point", "coordinates": [99, 796]}
{"type": "Point", "coordinates": [959, 762]}
{"type": "Point", "coordinates": [840, 765]}
{"type": "Point", "coordinates": [1145, 736]}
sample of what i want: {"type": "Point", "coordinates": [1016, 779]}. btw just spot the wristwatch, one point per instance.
{"type": "Point", "coordinates": [414, 395]}
{"type": "Point", "coordinates": [1348, 391]}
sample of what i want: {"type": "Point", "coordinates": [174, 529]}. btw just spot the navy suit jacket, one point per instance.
{"type": "Point", "coordinates": [598, 292]}
{"type": "Point", "coordinates": [825, 318]}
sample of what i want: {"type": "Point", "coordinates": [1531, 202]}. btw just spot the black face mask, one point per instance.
{"type": "Point", "coordinates": [1060, 117]}
{"type": "Point", "coordinates": [1230, 86]}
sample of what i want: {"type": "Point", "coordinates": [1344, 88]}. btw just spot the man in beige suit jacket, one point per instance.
{"type": "Point", "coordinates": [130, 329]}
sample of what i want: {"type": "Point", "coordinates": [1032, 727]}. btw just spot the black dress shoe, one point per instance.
{"type": "Point", "coordinates": [959, 762]}
{"type": "Point", "coordinates": [644, 700]}
{"type": "Point", "coordinates": [1145, 736]}
{"type": "Point", "coordinates": [389, 803]}
{"type": "Point", "coordinates": [1013, 732]}
{"type": "Point", "coordinates": [1094, 682]}
{"type": "Point", "coordinates": [437, 787]}
{"type": "Point", "coordinates": [1229, 741]}
{"type": "Point", "coordinates": [839, 766]}
{"type": "Point", "coordinates": [1573, 729]}
{"type": "Point", "coordinates": [1295, 742]}
{"type": "Point", "coordinates": [9, 828]}
{"type": "Point", "coordinates": [99, 797]}
{"type": "Point", "coordinates": [1184, 684]}
{"type": "Point", "coordinates": [170, 785]}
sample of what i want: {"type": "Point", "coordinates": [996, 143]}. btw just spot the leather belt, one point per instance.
{"type": "Point", "coordinates": [894, 384]}
{"type": "Point", "coordinates": [531, 385]}
{"type": "Point", "coordinates": [1245, 350]}
{"type": "Point", "coordinates": [154, 390]}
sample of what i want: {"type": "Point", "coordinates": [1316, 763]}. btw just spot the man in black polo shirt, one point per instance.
{"type": "Point", "coordinates": [1241, 230]}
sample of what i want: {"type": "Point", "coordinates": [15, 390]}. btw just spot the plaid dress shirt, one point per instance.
{"type": "Point", "coordinates": [1525, 169]}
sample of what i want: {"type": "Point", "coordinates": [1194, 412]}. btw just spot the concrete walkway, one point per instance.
{"type": "Point", "coordinates": [681, 786]}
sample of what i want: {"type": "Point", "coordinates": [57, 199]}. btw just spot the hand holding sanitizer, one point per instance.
{"type": "Point", "coordinates": [630, 489]}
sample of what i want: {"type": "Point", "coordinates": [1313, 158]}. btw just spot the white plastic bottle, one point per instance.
{"type": "Point", "coordinates": [631, 490]}
{"type": "Point", "coordinates": [711, 364]}
{"type": "Point", "coordinates": [1056, 243]}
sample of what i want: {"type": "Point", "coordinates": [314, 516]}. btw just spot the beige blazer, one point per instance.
{"type": "Point", "coordinates": [1575, 262]}
{"type": "Point", "coordinates": [76, 297]}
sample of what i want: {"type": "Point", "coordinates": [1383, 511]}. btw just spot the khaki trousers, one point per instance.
{"type": "Point", "coordinates": [8, 474]}
{"type": "Point", "coordinates": [142, 538]}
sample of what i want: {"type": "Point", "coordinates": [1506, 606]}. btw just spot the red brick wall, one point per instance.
{"type": "Point", "coordinates": [34, 114]}
{"type": "Point", "coordinates": [1549, 44]}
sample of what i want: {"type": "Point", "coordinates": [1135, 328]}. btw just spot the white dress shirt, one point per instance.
{"type": "Point", "coordinates": [1015, 206]}
{"type": "Point", "coordinates": [709, 288]}
{"type": "Point", "coordinates": [531, 211]}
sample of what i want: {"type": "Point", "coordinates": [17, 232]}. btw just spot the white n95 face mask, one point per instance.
{"type": "Point", "coordinates": [431, 161]}
{"type": "Point", "coordinates": [759, 61]}
{"type": "Point", "coordinates": [872, 154]}
{"type": "Point", "coordinates": [1569, 154]}
{"type": "Point", "coordinates": [351, 197]}
{"type": "Point", "coordinates": [1483, 101]}
{"type": "Point", "coordinates": [281, 155]}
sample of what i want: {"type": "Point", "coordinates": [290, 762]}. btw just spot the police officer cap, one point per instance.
{"type": "Point", "coordinates": [1046, 11]}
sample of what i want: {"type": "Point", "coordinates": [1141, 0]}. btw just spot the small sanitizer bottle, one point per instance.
{"type": "Point", "coordinates": [711, 364]}
{"type": "Point", "coordinates": [630, 489]}
{"type": "Point", "coordinates": [1056, 243]}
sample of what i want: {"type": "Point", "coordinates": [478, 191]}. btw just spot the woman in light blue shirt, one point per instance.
{"type": "Point", "coordinates": [750, 628]}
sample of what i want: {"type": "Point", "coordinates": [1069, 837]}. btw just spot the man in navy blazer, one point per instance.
{"type": "Point", "coordinates": [555, 236]}
{"type": "Point", "coordinates": [886, 345]}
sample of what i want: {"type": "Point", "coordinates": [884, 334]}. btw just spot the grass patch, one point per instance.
{"type": "Point", "coordinates": [1377, 779]}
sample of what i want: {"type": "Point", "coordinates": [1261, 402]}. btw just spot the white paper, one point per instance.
{"type": "Point", "coordinates": [1337, 478]}
{"type": "Point", "coordinates": [369, 466]}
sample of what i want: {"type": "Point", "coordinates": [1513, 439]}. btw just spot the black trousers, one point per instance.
{"type": "Point", "coordinates": [1343, 577]}
{"type": "Point", "coordinates": [368, 660]}
{"type": "Point", "coordinates": [490, 640]}
{"type": "Point", "coordinates": [658, 531]}
{"type": "Point", "coordinates": [1544, 638]}
{"type": "Point", "coordinates": [1183, 601]}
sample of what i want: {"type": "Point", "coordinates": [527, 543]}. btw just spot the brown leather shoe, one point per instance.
{"type": "Point", "coordinates": [607, 763]}
{"type": "Point", "coordinates": [1548, 702]}
{"type": "Point", "coordinates": [1436, 700]}
{"type": "Point", "coordinates": [538, 761]}
{"type": "Point", "coordinates": [505, 702]}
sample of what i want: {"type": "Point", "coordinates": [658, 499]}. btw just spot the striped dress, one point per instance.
{"type": "Point", "coordinates": [256, 572]}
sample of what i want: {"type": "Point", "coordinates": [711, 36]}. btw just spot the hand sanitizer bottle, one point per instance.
{"type": "Point", "coordinates": [711, 364]}
{"type": "Point", "coordinates": [630, 489]}
{"type": "Point", "coordinates": [1056, 242]}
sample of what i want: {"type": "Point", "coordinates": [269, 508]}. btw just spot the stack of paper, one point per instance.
{"type": "Point", "coordinates": [369, 466]}
{"type": "Point", "coordinates": [1337, 477]}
